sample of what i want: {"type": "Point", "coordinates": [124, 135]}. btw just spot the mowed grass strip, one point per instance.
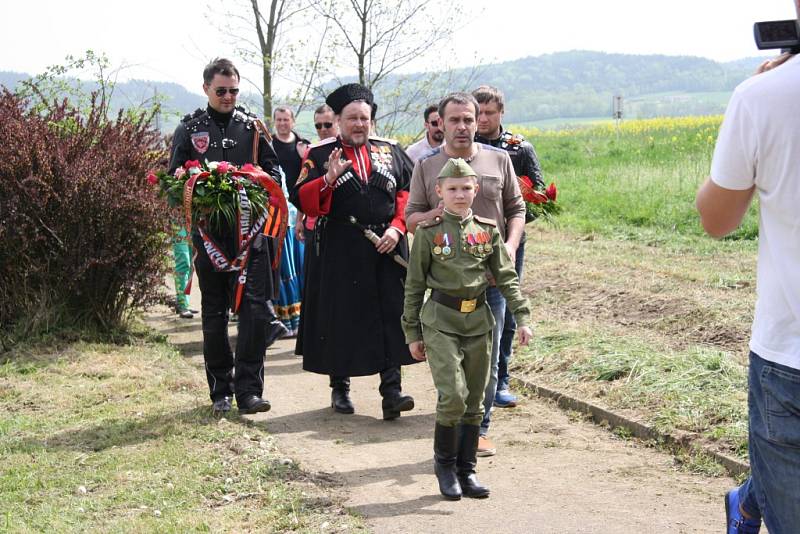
{"type": "Point", "coordinates": [636, 309]}
{"type": "Point", "coordinates": [699, 390]}
{"type": "Point", "coordinates": [112, 438]}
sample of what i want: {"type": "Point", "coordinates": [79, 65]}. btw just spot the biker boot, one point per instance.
{"type": "Point", "coordinates": [340, 395]}
{"type": "Point", "coordinates": [394, 401]}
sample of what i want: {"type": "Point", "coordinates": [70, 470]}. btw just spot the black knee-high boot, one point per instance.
{"type": "Point", "coordinates": [445, 451]}
{"type": "Point", "coordinates": [467, 461]}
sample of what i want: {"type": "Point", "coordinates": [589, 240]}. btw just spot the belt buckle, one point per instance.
{"type": "Point", "coordinates": [468, 306]}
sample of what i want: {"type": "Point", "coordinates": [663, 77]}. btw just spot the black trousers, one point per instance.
{"type": "Point", "coordinates": [244, 374]}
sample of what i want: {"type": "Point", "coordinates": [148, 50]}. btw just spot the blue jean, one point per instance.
{"type": "Point", "coordinates": [773, 489]}
{"type": "Point", "coordinates": [498, 306]}
{"type": "Point", "coordinates": [510, 326]}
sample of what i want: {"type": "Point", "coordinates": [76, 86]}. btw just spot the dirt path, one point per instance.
{"type": "Point", "coordinates": [552, 474]}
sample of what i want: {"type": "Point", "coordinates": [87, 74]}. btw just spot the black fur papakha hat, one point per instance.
{"type": "Point", "coordinates": [345, 94]}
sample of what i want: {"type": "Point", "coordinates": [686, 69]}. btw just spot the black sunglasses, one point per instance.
{"type": "Point", "coordinates": [434, 123]}
{"type": "Point", "coordinates": [220, 91]}
{"type": "Point", "coordinates": [319, 125]}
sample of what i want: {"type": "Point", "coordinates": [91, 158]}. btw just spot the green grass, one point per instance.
{"type": "Point", "coordinates": [637, 309]}
{"type": "Point", "coordinates": [642, 177]}
{"type": "Point", "coordinates": [111, 438]}
{"type": "Point", "coordinates": [698, 389]}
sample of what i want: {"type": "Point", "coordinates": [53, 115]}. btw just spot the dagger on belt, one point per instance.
{"type": "Point", "coordinates": [374, 238]}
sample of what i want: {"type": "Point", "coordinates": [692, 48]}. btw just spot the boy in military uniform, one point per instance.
{"type": "Point", "coordinates": [452, 330]}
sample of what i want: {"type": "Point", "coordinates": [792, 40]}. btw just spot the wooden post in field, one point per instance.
{"type": "Point", "coordinates": [616, 110]}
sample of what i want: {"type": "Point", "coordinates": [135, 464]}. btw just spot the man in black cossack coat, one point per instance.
{"type": "Point", "coordinates": [350, 323]}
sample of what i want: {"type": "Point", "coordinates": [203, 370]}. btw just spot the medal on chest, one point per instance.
{"type": "Point", "coordinates": [382, 155]}
{"type": "Point", "coordinates": [441, 244]}
{"type": "Point", "coordinates": [477, 243]}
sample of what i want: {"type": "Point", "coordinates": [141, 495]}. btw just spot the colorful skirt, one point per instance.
{"type": "Point", "coordinates": [291, 289]}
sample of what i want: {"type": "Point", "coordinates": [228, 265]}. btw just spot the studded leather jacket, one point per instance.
{"type": "Point", "coordinates": [523, 155]}
{"type": "Point", "coordinates": [200, 137]}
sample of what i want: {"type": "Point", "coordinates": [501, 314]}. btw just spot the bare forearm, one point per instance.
{"type": "Point", "coordinates": [514, 231]}
{"type": "Point", "coordinates": [722, 210]}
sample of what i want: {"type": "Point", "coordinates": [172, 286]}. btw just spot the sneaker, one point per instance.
{"type": "Point", "coordinates": [185, 313]}
{"type": "Point", "coordinates": [504, 399]}
{"type": "Point", "coordinates": [485, 447]}
{"type": "Point", "coordinates": [735, 523]}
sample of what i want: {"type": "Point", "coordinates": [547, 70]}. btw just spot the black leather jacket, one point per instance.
{"type": "Point", "coordinates": [199, 137]}
{"type": "Point", "coordinates": [523, 155]}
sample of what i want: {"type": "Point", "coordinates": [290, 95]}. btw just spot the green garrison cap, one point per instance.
{"type": "Point", "coordinates": [456, 168]}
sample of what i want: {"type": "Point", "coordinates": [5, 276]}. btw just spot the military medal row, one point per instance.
{"type": "Point", "coordinates": [474, 243]}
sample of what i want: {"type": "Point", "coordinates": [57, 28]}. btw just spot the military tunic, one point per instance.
{"type": "Point", "coordinates": [452, 255]}
{"type": "Point", "coordinates": [350, 321]}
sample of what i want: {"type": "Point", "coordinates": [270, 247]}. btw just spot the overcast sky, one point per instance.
{"type": "Point", "coordinates": [171, 40]}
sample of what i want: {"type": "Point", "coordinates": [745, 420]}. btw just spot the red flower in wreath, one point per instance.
{"type": "Point", "coordinates": [529, 194]}
{"type": "Point", "coordinates": [551, 191]}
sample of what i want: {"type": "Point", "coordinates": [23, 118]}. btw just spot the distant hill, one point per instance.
{"type": "Point", "coordinates": [176, 99]}
{"type": "Point", "coordinates": [548, 88]}
{"type": "Point", "coordinates": [582, 83]}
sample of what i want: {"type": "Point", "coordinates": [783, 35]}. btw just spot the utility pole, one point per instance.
{"type": "Point", "coordinates": [158, 114]}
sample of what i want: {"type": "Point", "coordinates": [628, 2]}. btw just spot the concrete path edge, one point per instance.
{"type": "Point", "coordinates": [686, 441]}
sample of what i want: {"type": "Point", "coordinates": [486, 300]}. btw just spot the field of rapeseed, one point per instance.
{"type": "Point", "coordinates": [637, 178]}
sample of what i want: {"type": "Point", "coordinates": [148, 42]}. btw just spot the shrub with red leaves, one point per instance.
{"type": "Point", "coordinates": [82, 237]}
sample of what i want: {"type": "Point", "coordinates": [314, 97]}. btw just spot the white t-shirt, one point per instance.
{"type": "Point", "coordinates": [420, 148]}
{"type": "Point", "coordinates": [759, 144]}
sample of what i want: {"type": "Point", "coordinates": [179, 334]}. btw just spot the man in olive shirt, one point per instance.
{"type": "Point", "coordinates": [499, 198]}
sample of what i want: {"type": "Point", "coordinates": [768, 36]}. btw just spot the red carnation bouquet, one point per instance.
{"type": "Point", "coordinates": [539, 203]}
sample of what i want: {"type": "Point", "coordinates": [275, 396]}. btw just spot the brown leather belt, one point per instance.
{"type": "Point", "coordinates": [458, 304]}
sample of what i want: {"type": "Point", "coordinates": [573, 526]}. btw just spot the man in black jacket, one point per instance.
{"type": "Point", "coordinates": [350, 321]}
{"type": "Point", "coordinates": [225, 132]}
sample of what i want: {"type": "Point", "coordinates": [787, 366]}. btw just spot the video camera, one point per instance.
{"type": "Point", "coordinates": [783, 34]}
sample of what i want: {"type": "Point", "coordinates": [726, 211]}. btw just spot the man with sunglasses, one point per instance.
{"type": "Point", "coordinates": [326, 128]}
{"type": "Point", "coordinates": [323, 122]}
{"type": "Point", "coordinates": [434, 136]}
{"type": "Point", "coordinates": [224, 131]}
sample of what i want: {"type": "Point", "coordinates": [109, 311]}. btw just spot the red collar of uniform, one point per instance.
{"type": "Point", "coordinates": [359, 156]}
